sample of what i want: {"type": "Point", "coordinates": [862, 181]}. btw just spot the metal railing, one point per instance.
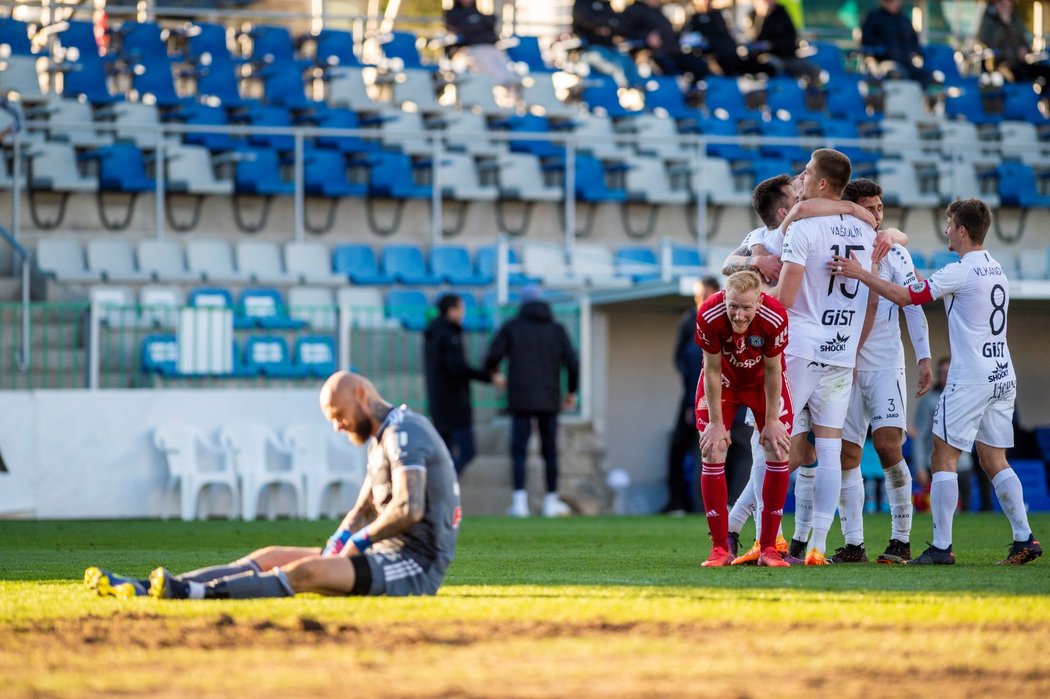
{"type": "Point", "coordinates": [23, 357]}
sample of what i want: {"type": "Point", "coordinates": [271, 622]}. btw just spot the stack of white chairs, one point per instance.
{"type": "Point", "coordinates": [325, 459]}
{"type": "Point", "coordinates": [249, 448]}
{"type": "Point", "coordinates": [182, 445]}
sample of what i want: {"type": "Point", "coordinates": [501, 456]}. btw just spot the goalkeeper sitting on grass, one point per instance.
{"type": "Point", "coordinates": [398, 539]}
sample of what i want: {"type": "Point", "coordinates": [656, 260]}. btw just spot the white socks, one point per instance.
{"type": "Point", "coordinates": [1011, 497]}
{"type": "Point", "coordinates": [827, 484]}
{"type": "Point", "coordinates": [944, 498]}
{"type": "Point", "coordinates": [750, 501]}
{"type": "Point", "coordinates": [898, 492]}
{"type": "Point", "coordinates": [804, 482]}
{"type": "Point", "coordinates": [851, 507]}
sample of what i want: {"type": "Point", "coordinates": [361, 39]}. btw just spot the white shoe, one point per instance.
{"type": "Point", "coordinates": [554, 507]}
{"type": "Point", "coordinates": [519, 505]}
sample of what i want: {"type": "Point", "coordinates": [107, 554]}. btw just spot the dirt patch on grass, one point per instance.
{"type": "Point", "coordinates": [219, 656]}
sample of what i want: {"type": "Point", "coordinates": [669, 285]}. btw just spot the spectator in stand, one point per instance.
{"type": "Point", "coordinates": [887, 35]}
{"type": "Point", "coordinates": [475, 47]}
{"type": "Point", "coordinates": [649, 27]}
{"type": "Point", "coordinates": [1002, 30]}
{"type": "Point", "coordinates": [536, 347]}
{"type": "Point", "coordinates": [599, 27]}
{"type": "Point", "coordinates": [775, 41]}
{"type": "Point", "coordinates": [708, 31]}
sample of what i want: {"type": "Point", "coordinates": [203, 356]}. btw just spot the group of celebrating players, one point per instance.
{"type": "Point", "coordinates": [823, 267]}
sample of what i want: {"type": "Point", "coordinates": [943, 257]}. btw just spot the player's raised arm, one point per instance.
{"type": "Point", "coordinates": [811, 208]}
{"type": "Point", "coordinates": [850, 268]}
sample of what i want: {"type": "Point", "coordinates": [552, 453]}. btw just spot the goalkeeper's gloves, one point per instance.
{"type": "Point", "coordinates": [336, 542]}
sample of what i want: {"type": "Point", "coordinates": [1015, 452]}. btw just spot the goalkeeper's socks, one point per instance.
{"type": "Point", "coordinates": [203, 575]}
{"type": "Point", "coordinates": [245, 586]}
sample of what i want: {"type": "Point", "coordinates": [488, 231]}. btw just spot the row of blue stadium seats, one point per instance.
{"type": "Point", "coordinates": [263, 356]}
{"type": "Point", "coordinates": [266, 308]}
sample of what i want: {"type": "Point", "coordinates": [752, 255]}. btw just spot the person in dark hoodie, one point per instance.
{"type": "Point", "coordinates": [536, 347]}
{"type": "Point", "coordinates": [448, 376]}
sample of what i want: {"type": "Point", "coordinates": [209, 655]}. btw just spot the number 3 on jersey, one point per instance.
{"type": "Point", "coordinates": [835, 249]}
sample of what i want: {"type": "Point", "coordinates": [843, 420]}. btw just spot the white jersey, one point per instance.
{"type": "Point", "coordinates": [883, 349]}
{"type": "Point", "coordinates": [976, 297]}
{"type": "Point", "coordinates": [828, 314]}
{"type": "Point", "coordinates": [769, 238]}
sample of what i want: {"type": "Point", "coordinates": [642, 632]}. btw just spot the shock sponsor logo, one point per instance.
{"type": "Point", "coordinates": [1000, 373]}
{"type": "Point", "coordinates": [836, 344]}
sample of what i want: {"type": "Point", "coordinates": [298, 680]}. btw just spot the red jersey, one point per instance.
{"type": "Point", "coordinates": [742, 354]}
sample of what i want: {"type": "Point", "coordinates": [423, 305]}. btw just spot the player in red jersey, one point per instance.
{"type": "Point", "coordinates": [743, 332]}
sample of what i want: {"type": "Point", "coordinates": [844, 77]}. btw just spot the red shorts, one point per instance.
{"type": "Point", "coordinates": [753, 398]}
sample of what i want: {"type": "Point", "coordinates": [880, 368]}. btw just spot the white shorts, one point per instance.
{"type": "Point", "coordinates": [823, 388]}
{"type": "Point", "coordinates": [877, 399]}
{"type": "Point", "coordinates": [976, 412]}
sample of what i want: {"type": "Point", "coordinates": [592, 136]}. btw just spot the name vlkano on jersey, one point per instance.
{"type": "Point", "coordinates": [836, 344]}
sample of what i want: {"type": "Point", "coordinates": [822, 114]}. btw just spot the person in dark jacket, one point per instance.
{"type": "Point", "coordinates": [1002, 30]}
{"type": "Point", "coordinates": [888, 36]}
{"type": "Point", "coordinates": [775, 41]}
{"type": "Point", "coordinates": [537, 348]}
{"type": "Point", "coordinates": [448, 377]}
{"type": "Point", "coordinates": [709, 32]}
{"type": "Point", "coordinates": [476, 39]}
{"type": "Point", "coordinates": [599, 28]}
{"type": "Point", "coordinates": [652, 30]}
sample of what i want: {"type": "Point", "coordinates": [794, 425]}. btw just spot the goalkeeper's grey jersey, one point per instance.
{"type": "Point", "coordinates": [407, 440]}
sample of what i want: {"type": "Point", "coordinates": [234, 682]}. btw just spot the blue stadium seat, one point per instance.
{"type": "Point", "coordinates": [532, 124]}
{"type": "Point", "coordinates": [591, 184]}
{"type": "Point", "coordinates": [638, 263]}
{"type": "Point", "coordinates": [845, 101]}
{"type": "Point", "coordinates": [258, 171]}
{"type": "Point", "coordinates": [193, 114]}
{"type": "Point", "coordinates": [713, 126]}
{"type": "Point", "coordinates": [968, 104]}
{"type": "Point", "coordinates": [526, 49]}
{"type": "Point", "coordinates": [160, 355]}
{"type": "Point", "coordinates": [401, 46]}
{"type": "Point", "coordinates": [451, 263]}
{"type": "Point", "coordinates": [601, 95]}
{"type": "Point", "coordinates": [392, 176]}
{"type": "Point", "coordinates": [122, 168]}
{"type": "Point", "coordinates": [335, 47]}
{"type": "Point", "coordinates": [476, 317]}
{"type": "Point", "coordinates": [780, 129]}
{"type": "Point", "coordinates": [786, 99]}
{"type": "Point", "coordinates": [1032, 474]}
{"type": "Point", "coordinates": [272, 44]}
{"type": "Point", "coordinates": [771, 167]}
{"type": "Point", "coordinates": [263, 307]}
{"type": "Point", "coordinates": [919, 260]}
{"type": "Point", "coordinates": [1021, 103]}
{"type": "Point", "coordinates": [207, 43]}
{"type": "Point", "coordinates": [262, 115]}
{"type": "Point", "coordinates": [268, 355]}
{"type": "Point", "coordinates": [1042, 439]}
{"type": "Point", "coordinates": [409, 307]}
{"type": "Point", "coordinates": [406, 264]}
{"type": "Point", "coordinates": [486, 263]}
{"type": "Point", "coordinates": [341, 118]}
{"type": "Point", "coordinates": [943, 258]}
{"type": "Point", "coordinates": [358, 262]}
{"type": "Point", "coordinates": [663, 94]}
{"type": "Point", "coordinates": [940, 58]}
{"type": "Point", "coordinates": [315, 355]}
{"type": "Point", "coordinates": [325, 175]}
{"type": "Point", "coordinates": [283, 85]}
{"type": "Point", "coordinates": [85, 76]}
{"type": "Point", "coordinates": [152, 80]}
{"type": "Point", "coordinates": [723, 95]}
{"type": "Point", "coordinates": [14, 34]}
{"type": "Point", "coordinates": [829, 58]}
{"type": "Point", "coordinates": [143, 40]}
{"type": "Point", "coordinates": [863, 161]}
{"type": "Point", "coordinates": [1017, 186]}
{"type": "Point", "coordinates": [685, 258]}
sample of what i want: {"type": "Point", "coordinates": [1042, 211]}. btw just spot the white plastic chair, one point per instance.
{"type": "Point", "coordinates": [248, 447]}
{"type": "Point", "coordinates": [181, 444]}
{"type": "Point", "coordinates": [311, 447]}
{"type": "Point", "coordinates": [311, 263]}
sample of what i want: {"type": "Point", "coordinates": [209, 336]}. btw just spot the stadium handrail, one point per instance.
{"type": "Point", "coordinates": [23, 359]}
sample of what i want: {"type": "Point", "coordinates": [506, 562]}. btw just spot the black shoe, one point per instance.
{"type": "Point", "coordinates": [896, 552]}
{"type": "Point", "coordinates": [850, 553]}
{"type": "Point", "coordinates": [797, 549]}
{"type": "Point", "coordinates": [734, 543]}
{"type": "Point", "coordinates": [934, 556]}
{"type": "Point", "coordinates": [1022, 552]}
